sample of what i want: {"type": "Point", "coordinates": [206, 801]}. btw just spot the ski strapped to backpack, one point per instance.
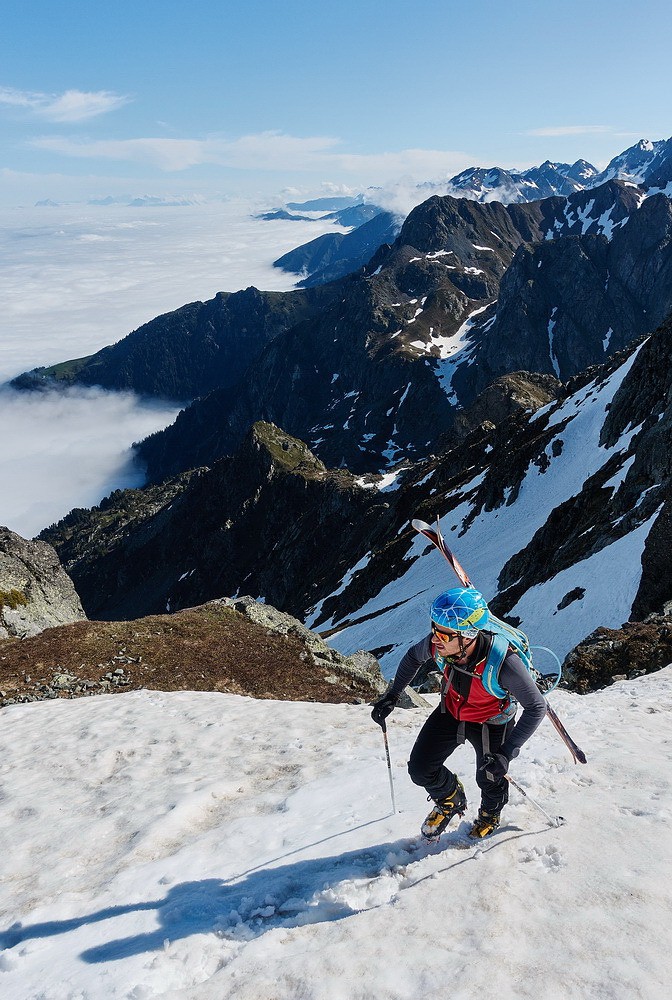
{"type": "Point", "coordinates": [503, 637]}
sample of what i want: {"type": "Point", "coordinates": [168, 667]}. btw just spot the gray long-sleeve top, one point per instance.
{"type": "Point", "coordinates": [513, 677]}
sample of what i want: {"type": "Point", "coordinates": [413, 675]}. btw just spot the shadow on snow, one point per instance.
{"type": "Point", "coordinates": [247, 905]}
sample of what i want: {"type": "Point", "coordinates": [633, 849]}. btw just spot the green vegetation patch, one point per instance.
{"type": "Point", "coordinates": [65, 371]}
{"type": "Point", "coordinates": [12, 598]}
{"type": "Point", "coordinates": [287, 450]}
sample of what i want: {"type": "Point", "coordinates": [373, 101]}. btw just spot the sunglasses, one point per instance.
{"type": "Point", "coordinates": [446, 636]}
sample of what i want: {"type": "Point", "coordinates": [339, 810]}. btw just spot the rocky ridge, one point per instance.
{"type": "Point", "coordinates": [188, 352]}
{"type": "Point", "coordinates": [236, 646]}
{"type": "Point", "coordinates": [263, 519]}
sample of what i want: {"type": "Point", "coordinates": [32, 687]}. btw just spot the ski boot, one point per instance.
{"type": "Point", "coordinates": [484, 824]}
{"type": "Point", "coordinates": [443, 811]}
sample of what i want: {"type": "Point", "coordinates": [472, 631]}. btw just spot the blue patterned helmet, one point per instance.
{"type": "Point", "coordinates": [462, 609]}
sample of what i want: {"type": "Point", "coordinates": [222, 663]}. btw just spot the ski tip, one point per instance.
{"type": "Point", "coordinates": [421, 525]}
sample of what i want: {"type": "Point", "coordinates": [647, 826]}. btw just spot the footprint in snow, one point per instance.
{"type": "Point", "coordinates": [548, 858]}
{"type": "Point", "coordinates": [630, 811]}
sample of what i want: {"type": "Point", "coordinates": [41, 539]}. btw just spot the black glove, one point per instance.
{"type": "Point", "coordinates": [382, 708]}
{"type": "Point", "coordinates": [494, 766]}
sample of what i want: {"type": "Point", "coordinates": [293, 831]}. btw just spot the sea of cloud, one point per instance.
{"type": "Point", "coordinates": [78, 277]}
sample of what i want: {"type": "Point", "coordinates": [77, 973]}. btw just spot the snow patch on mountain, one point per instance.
{"type": "Point", "coordinates": [455, 349]}
{"type": "Point", "coordinates": [551, 348]}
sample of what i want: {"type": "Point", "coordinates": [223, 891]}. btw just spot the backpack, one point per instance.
{"type": "Point", "coordinates": [505, 636]}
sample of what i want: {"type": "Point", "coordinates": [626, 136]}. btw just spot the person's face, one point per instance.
{"type": "Point", "coordinates": [447, 642]}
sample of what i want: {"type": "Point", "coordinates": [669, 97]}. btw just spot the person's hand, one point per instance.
{"type": "Point", "coordinates": [382, 709]}
{"type": "Point", "coordinates": [494, 766]}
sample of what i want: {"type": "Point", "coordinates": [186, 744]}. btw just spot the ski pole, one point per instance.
{"type": "Point", "coordinates": [383, 726]}
{"type": "Point", "coordinates": [553, 820]}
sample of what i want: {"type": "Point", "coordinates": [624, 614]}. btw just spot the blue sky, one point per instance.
{"type": "Point", "coordinates": [221, 98]}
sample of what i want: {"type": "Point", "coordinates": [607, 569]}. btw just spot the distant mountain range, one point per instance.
{"type": "Point", "coordinates": [640, 164]}
{"type": "Point", "coordinates": [141, 201]}
{"type": "Point", "coordinates": [334, 255]}
{"type": "Point", "coordinates": [646, 164]}
{"type": "Point", "coordinates": [504, 365]}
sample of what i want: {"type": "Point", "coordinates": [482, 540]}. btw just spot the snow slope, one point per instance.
{"type": "Point", "coordinates": [210, 846]}
{"type": "Point", "coordinates": [398, 615]}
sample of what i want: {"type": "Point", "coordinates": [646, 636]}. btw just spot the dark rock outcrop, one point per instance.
{"type": "Point", "coordinates": [567, 304]}
{"type": "Point", "coordinates": [609, 655]}
{"type": "Point", "coordinates": [518, 392]}
{"type": "Point", "coordinates": [188, 352]}
{"type": "Point", "coordinates": [338, 383]}
{"type": "Point", "coordinates": [262, 521]}
{"type": "Point", "coordinates": [35, 591]}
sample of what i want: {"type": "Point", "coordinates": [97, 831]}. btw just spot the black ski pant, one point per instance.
{"type": "Point", "coordinates": [438, 738]}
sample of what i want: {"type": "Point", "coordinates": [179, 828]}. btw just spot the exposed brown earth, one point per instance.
{"type": "Point", "coordinates": [209, 648]}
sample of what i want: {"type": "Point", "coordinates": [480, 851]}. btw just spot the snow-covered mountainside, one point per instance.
{"type": "Point", "coordinates": [562, 514]}
{"type": "Point", "coordinates": [207, 846]}
{"type": "Point", "coordinates": [511, 186]}
{"type": "Point", "coordinates": [637, 163]}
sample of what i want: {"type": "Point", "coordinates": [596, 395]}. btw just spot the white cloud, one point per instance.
{"type": "Point", "coordinates": [399, 197]}
{"type": "Point", "coordinates": [75, 278]}
{"type": "Point", "coordinates": [67, 449]}
{"type": "Point", "coordinates": [272, 151]}
{"type": "Point", "coordinates": [168, 154]}
{"type": "Point", "coordinates": [559, 130]}
{"type": "Point", "coordinates": [420, 163]}
{"type": "Point", "coordinates": [64, 265]}
{"type": "Point", "coordinates": [265, 151]}
{"type": "Point", "coordinates": [70, 106]}
{"type": "Point", "coordinates": [344, 190]}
